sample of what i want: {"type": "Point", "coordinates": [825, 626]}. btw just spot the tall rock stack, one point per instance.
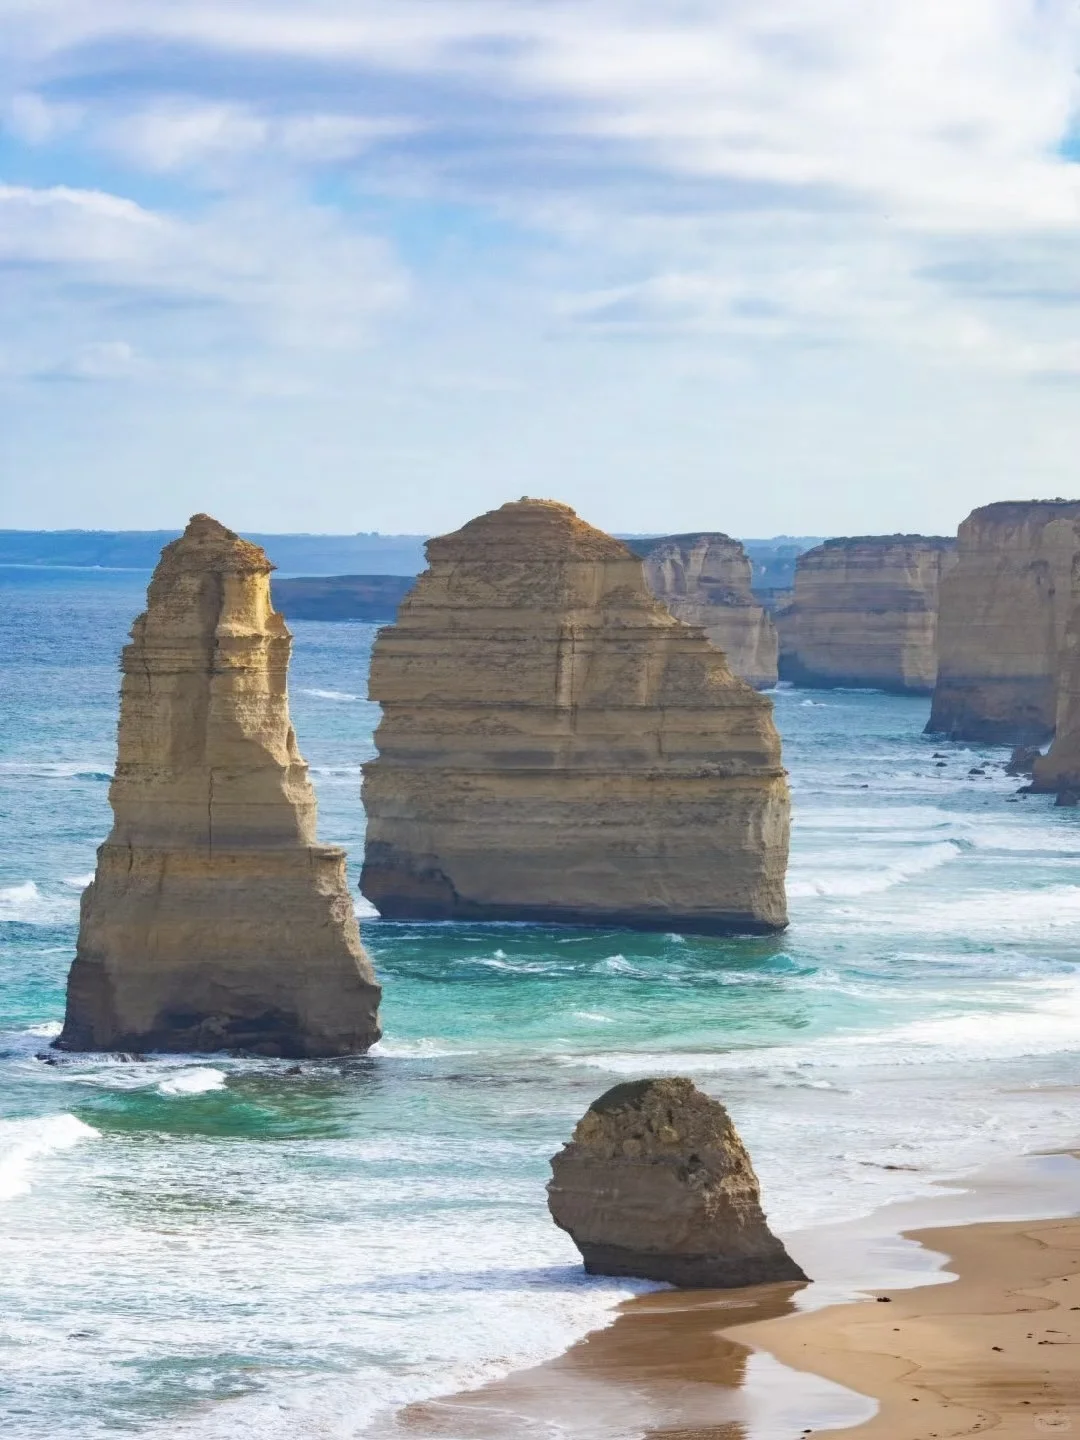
{"type": "Point", "coordinates": [1004, 611]}
{"type": "Point", "coordinates": [864, 612]}
{"type": "Point", "coordinates": [215, 920]}
{"type": "Point", "coordinates": [555, 746]}
{"type": "Point", "coordinates": [705, 580]}
{"type": "Point", "coordinates": [1059, 770]}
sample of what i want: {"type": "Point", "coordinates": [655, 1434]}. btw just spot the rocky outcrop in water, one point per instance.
{"type": "Point", "coordinates": [864, 613]}
{"type": "Point", "coordinates": [704, 579]}
{"type": "Point", "coordinates": [215, 920]}
{"type": "Point", "coordinates": [373, 598]}
{"type": "Point", "coordinates": [1004, 609]}
{"type": "Point", "coordinates": [656, 1183]}
{"type": "Point", "coordinates": [555, 746]}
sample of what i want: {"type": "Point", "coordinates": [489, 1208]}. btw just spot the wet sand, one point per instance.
{"type": "Point", "coordinates": [979, 1331]}
{"type": "Point", "coordinates": [997, 1350]}
{"type": "Point", "coordinates": [665, 1367]}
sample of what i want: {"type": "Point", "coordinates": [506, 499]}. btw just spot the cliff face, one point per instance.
{"type": "Point", "coordinates": [705, 580]}
{"type": "Point", "coordinates": [656, 1183]}
{"type": "Point", "coordinates": [215, 920]}
{"type": "Point", "coordinates": [1059, 770]}
{"type": "Point", "coordinates": [373, 598]}
{"type": "Point", "coordinates": [555, 746]}
{"type": "Point", "coordinates": [864, 612]}
{"type": "Point", "coordinates": [1004, 610]}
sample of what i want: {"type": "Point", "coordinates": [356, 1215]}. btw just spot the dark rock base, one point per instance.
{"type": "Point", "coordinates": [692, 1272]}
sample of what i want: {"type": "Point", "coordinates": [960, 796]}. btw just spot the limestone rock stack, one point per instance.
{"type": "Point", "coordinates": [864, 612]}
{"type": "Point", "coordinates": [215, 920]}
{"type": "Point", "coordinates": [555, 746]}
{"type": "Point", "coordinates": [1004, 610]}
{"type": "Point", "coordinates": [656, 1183]}
{"type": "Point", "coordinates": [705, 580]}
{"type": "Point", "coordinates": [1059, 770]}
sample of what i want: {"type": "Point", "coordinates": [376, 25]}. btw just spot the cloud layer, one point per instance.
{"type": "Point", "coordinates": [710, 256]}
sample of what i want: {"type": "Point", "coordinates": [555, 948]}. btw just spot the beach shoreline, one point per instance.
{"type": "Point", "coordinates": [963, 1277]}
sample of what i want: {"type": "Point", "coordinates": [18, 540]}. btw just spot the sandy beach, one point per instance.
{"type": "Point", "coordinates": [995, 1349]}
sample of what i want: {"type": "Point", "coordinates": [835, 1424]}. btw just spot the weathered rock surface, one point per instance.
{"type": "Point", "coordinates": [1004, 610]}
{"type": "Point", "coordinates": [864, 612]}
{"type": "Point", "coordinates": [705, 579]}
{"type": "Point", "coordinates": [555, 746]}
{"type": "Point", "coordinates": [1059, 770]}
{"type": "Point", "coordinates": [656, 1183]}
{"type": "Point", "coordinates": [215, 920]}
{"type": "Point", "coordinates": [373, 598]}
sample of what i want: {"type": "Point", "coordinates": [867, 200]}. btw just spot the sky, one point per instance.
{"type": "Point", "coordinates": [763, 266]}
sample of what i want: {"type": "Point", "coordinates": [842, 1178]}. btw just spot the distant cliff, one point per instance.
{"type": "Point", "coordinates": [864, 612]}
{"type": "Point", "coordinates": [374, 598]}
{"type": "Point", "coordinates": [1004, 611]}
{"type": "Point", "coordinates": [704, 579]}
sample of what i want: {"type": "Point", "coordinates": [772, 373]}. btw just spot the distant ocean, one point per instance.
{"type": "Point", "coordinates": [212, 1248]}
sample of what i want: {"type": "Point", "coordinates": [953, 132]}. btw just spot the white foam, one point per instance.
{"type": "Point", "coordinates": [193, 1082]}
{"type": "Point", "coordinates": [79, 882]}
{"type": "Point", "coordinates": [48, 1031]}
{"type": "Point", "coordinates": [26, 905]}
{"type": "Point", "coordinates": [24, 1141]}
{"type": "Point", "coordinates": [872, 881]}
{"type": "Point", "coordinates": [57, 769]}
{"type": "Point", "coordinates": [343, 695]}
{"type": "Point", "coordinates": [422, 1049]}
{"type": "Point", "coordinates": [363, 909]}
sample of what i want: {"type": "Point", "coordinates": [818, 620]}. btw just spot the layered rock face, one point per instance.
{"type": "Point", "coordinates": [1004, 611]}
{"type": "Point", "coordinates": [215, 920]}
{"type": "Point", "coordinates": [656, 1183]}
{"type": "Point", "coordinates": [555, 746]}
{"type": "Point", "coordinates": [1059, 770]}
{"type": "Point", "coordinates": [864, 612]}
{"type": "Point", "coordinates": [705, 580]}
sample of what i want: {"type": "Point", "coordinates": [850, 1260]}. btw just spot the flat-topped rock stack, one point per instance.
{"type": "Point", "coordinates": [864, 613]}
{"type": "Point", "coordinates": [705, 580]}
{"type": "Point", "coordinates": [555, 746]}
{"type": "Point", "coordinates": [1001, 632]}
{"type": "Point", "coordinates": [1059, 770]}
{"type": "Point", "coordinates": [215, 920]}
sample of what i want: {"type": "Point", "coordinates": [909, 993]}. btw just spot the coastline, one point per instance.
{"type": "Point", "coordinates": [978, 1332]}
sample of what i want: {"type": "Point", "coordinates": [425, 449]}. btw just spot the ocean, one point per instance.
{"type": "Point", "coordinates": [206, 1248]}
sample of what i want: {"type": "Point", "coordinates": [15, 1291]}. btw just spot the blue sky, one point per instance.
{"type": "Point", "coordinates": [803, 266]}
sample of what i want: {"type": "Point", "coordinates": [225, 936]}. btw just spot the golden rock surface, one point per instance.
{"type": "Point", "coordinates": [555, 746]}
{"type": "Point", "coordinates": [705, 580]}
{"type": "Point", "coordinates": [864, 612]}
{"type": "Point", "coordinates": [1001, 631]}
{"type": "Point", "coordinates": [215, 920]}
{"type": "Point", "coordinates": [657, 1183]}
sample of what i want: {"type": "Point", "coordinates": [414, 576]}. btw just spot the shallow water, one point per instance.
{"type": "Point", "coordinates": [195, 1248]}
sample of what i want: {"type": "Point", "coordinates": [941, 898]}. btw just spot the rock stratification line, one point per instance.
{"type": "Point", "coordinates": [215, 920]}
{"type": "Point", "coordinates": [1001, 630]}
{"type": "Point", "coordinates": [705, 580]}
{"type": "Point", "coordinates": [864, 612]}
{"type": "Point", "coordinates": [555, 746]}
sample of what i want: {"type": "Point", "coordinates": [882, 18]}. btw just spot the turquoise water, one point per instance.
{"type": "Point", "coordinates": [203, 1247]}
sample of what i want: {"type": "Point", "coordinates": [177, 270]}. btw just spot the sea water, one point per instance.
{"type": "Point", "coordinates": [204, 1247]}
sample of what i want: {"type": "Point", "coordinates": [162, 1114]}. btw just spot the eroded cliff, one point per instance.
{"type": "Point", "coordinates": [215, 920]}
{"type": "Point", "coordinates": [1004, 610]}
{"type": "Point", "coordinates": [705, 580]}
{"type": "Point", "coordinates": [556, 746]}
{"type": "Point", "coordinates": [864, 612]}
